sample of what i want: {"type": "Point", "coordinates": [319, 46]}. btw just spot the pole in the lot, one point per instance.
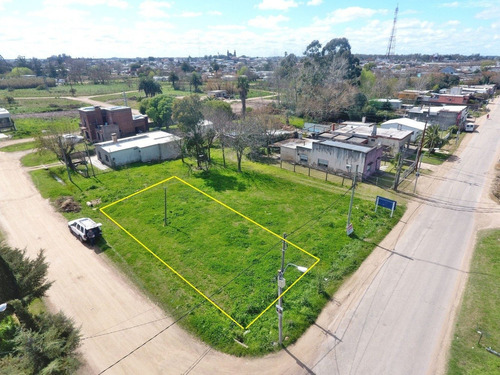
{"type": "Point", "coordinates": [353, 188]}
{"type": "Point", "coordinates": [165, 210]}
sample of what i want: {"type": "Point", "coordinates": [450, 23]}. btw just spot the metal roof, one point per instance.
{"type": "Point", "coordinates": [347, 146]}
{"type": "Point", "coordinates": [138, 141]}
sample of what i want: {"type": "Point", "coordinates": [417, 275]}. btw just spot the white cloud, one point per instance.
{"type": "Point", "coordinates": [226, 27]}
{"type": "Point", "coordinates": [488, 14]}
{"type": "Point", "coordinates": [154, 9]}
{"type": "Point", "coordinates": [122, 4]}
{"type": "Point", "coordinates": [454, 4]}
{"type": "Point", "coordinates": [453, 22]}
{"type": "Point", "coordinates": [3, 2]}
{"type": "Point", "coordinates": [270, 22]}
{"type": "Point", "coordinates": [277, 4]}
{"type": "Point", "coordinates": [191, 14]}
{"type": "Point", "coordinates": [347, 15]}
{"type": "Point", "coordinates": [315, 2]}
{"type": "Point", "coordinates": [214, 13]}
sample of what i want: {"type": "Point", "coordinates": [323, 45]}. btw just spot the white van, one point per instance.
{"type": "Point", "coordinates": [469, 127]}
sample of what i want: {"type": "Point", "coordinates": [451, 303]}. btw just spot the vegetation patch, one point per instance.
{"type": "Point", "coordinates": [478, 326]}
{"type": "Point", "coordinates": [211, 246]}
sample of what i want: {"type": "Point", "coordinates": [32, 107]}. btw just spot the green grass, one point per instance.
{"type": "Point", "coordinates": [233, 261]}
{"type": "Point", "coordinates": [19, 147]}
{"type": "Point", "coordinates": [32, 126]}
{"type": "Point", "coordinates": [86, 89]}
{"type": "Point", "coordinates": [34, 159]}
{"type": "Point", "coordinates": [480, 311]}
{"type": "Point", "coordinates": [41, 105]}
{"type": "Point", "coordinates": [436, 158]}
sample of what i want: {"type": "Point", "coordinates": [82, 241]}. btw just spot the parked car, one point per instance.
{"type": "Point", "coordinates": [86, 229]}
{"type": "Point", "coordinates": [469, 127]}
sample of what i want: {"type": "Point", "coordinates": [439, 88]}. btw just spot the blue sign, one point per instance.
{"type": "Point", "coordinates": [386, 203]}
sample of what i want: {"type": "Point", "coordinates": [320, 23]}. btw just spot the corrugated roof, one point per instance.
{"type": "Point", "coordinates": [138, 141]}
{"type": "Point", "coordinates": [347, 146]}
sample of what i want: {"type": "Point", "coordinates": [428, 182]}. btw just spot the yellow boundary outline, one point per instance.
{"type": "Point", "coordinates": [182, 277]}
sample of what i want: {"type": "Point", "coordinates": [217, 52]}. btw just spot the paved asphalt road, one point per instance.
{"type": "Point", "coordinates": [399, 327]}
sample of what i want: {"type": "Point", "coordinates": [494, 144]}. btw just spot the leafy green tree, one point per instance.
{"type": "Point", "coordinates": [30, 274]}
{"type": "Point", "coordinates": [433, 138]}
{"type": "Point", "coordinates": [186, 67]}
{"type": "Point", "coordinates": [188, 113]}
{"type": "Point", "coordinates": [196, 81]}
{"type": "Point", "coordinates": [20, 71]}
{"type": "Point", "coordinates": [243, 87]}
{"type": "Point", "coordinates": [52, 348]}
{"type": "Point", "coordinates": [149, 86]}
{"type": "Point", "coordinates": [159, 109]}
{"type": "Point", "coordinates": [173, 79]}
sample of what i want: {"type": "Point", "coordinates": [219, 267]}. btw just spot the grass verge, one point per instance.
{"type": "Point", "coordinates": [235, 264]}
{"type": "Point", "coordinates": [480, 311]}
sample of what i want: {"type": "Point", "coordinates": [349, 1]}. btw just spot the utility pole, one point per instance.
{"type": "Point", "coordinates": [281, 286]}
{"type": "Point", "coordinates": [165, 210]}
{"type": "Point", "coordinates": [419, 153]}
{"type": "Point", "coordinates": [349, 229]}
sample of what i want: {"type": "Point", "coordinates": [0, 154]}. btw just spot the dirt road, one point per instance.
{"type": "Point", "coordinates": [125, 333]}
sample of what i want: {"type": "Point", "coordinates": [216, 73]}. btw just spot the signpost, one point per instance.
{"type": "Point", "coordinates": [349, 229]}
{"type": "Point", "coordinates": [385, 202]}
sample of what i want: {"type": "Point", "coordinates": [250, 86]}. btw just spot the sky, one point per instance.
{"type": "Point", "coordinates": [181, 28]}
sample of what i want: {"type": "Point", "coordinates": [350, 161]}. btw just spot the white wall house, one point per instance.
{"type": "Point", "coordinates": [154, 146]}
{"type": "Point", "coordinates": [416, 127]}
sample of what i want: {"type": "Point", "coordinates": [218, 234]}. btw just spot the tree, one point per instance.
{"type": "Point", "coordinates": [30, 274]}
{"type": "Point", "coordinates": [159, 109]}
{"type": "Point", "coordinates": [221, 115]}
{"type": "Point", "coordinates": [243, 88]}
{"type": "Point", "coordinates": [100, 73]}
{"type": "Point", "coordinates": [433, 138]}
{"type": "Point", "coordinates": [195, 81]}
{"type": "Point", "coordinates": [187, 112]}
{"type": "Point", "coordinates": [54, 140]}
{"type": "Point", "coordinates": [173, 78]}
{"type": "Point", "coordinates": [77, 70]}
{"type": "Point", "coordinates": [186, 67]}
{"type": "Point", "coordinates": [215, 67]}
{"type": "Point", "coordinates": [20, 71]}
{"type": "Point", "coordinates": [242, 134]}
{"type": "Point", "coordinates": [149, 86]}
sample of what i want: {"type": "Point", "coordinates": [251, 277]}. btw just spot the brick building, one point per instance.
{"type": "Point", "coordinates": [98, 123]}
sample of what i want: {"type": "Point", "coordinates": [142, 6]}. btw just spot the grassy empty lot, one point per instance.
{"type": "Point", "coordinates": [480, 311]}
{"type": "Point", "coordinates": [234, 262]}
{"type": "Point", "coordinates": [41, 105]}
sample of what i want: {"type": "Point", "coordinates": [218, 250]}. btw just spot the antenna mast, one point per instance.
{"type": "Point", "coordinates": [392, 39]}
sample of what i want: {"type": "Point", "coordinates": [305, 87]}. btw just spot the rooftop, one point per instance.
{"type": "Point", "coordinates": [138, 141]}
{"type": "Point", "coordinates": [347, 146]}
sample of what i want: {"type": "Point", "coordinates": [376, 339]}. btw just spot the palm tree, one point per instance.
{"type": "Point", "coordinates": [433, 138]}
{"type": "Point", "coordinates": [243, 87]}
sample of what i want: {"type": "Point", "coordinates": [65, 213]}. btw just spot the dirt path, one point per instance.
{"type": "Point", "coordinates": [125, 333]}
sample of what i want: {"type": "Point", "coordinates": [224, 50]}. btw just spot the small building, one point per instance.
{"type": "Point", "coordinates": [446, 99]}
{"type": "Point", "coordinates": [445, 116]}
{"type": "Point", "coordinates": [411, 96]}
{"type": "Point", "coordinates": [333, 156]}
{"type": "Point", "coordinates": [154, 146]}
{"type": "Point", "coordinates": [98, 123]}
{"type": "Point", "coordinates": [416, 127]}
{"type": "Point", "coordinates": [5, 120]}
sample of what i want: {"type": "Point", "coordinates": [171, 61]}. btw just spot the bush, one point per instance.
{"type": "Point", "coordinates": [40, 87]}
{"type": "Point", "coordinates": [25, 83]}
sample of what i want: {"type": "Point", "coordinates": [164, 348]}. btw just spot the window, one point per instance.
{"type": "Point", "coordinates": [99, 155]}
{"type": "Point", "coordinates": [323, 163]}
{"type": "Point", "coordinates": [369, 167]}
{"type": "Point", "coordinates": [106, 156]}
{"type": "Point", "coordinates": [303, 157]}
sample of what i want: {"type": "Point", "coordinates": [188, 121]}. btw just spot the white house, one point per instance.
{"type": "Point", "coordinates": [5, 120]}
{"type": "Point", "coordinates": [334, 156]}
{"type": "Point", "coordinates": [416, 127]}
{"type": "Point", "coordinates": [154, 146]}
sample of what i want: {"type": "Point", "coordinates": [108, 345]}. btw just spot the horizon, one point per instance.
{"type": "Point", "coordinates": [258, 28]}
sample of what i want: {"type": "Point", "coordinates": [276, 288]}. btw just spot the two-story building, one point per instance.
{"type": "Point", "coordinates": [98, 123]}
